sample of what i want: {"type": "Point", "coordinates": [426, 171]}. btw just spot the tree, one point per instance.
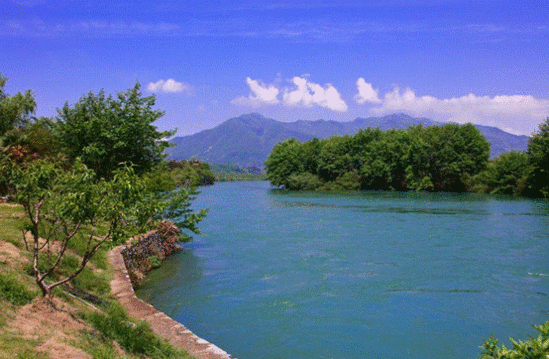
{"type": "Point", "coordinates": [505, 174]}
{"type": "Point", "coordinates": [384, 161]}
{"type": "Point", "coordinates": [538, 156]}
{"type": "Point", "coordinates": [335, 157]}
{"type": "Point", "coordinates": [284, 160]}
{"type": "Point", "coordinates": [443, 158]}
{"type": "Point", "coordinates": [71, 205]}
{"type": "Point", "coordinates": [107, 131]}
{"type": "Point", "coordinates": [15, 110]}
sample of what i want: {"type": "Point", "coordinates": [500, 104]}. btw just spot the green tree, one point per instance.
{"type": "Point", "coordinates": [16, 110]}
{"type": "Point", "coordinates": [538, 156]}
{"type": "Point", "coordinates": [505, 174]}
{"type": "Point", "coordinates": [335, 157]}
{"type": "Point", "coordinates": [284, 160]}
{"type": "Point", "coordinates": [107, 131]}
{"type": "Point", "coordinates": [71, 205]}
{"type": "Point", "coordinates": [385, 161]}
{"type": "Point", "coordinates": [443, 158]}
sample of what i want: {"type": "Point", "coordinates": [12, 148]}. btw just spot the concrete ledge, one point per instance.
{"type": "Point", "coordinates": [176, 333]}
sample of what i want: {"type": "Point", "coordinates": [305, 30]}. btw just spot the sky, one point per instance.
{"type": "Point", "coordinates": [481, 61]}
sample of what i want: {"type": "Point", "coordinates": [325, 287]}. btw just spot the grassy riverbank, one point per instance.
{"type": "Point", "coordinates": [75, 326]}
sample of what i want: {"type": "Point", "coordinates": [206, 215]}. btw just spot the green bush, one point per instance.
{"type": "Point", "coordinates": [534, 348]}
{"type": "Point", "coordinates": [155, 262]}
{"type": "Point", "coordinates": [304, 181]}
{"type": "Point", "coordinates": [13, 291]}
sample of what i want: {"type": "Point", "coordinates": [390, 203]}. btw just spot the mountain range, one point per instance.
{"type": "Point", "coordinates": [247, 140]}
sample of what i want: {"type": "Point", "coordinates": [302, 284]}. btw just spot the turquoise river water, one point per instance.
{"type": "Point", "coordinates": [357, 275]}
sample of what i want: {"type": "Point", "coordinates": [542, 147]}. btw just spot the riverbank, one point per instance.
{"type": "Point", "coordinates": [72, 324]}
{"type": "Point", "coordinates": [176, 333]}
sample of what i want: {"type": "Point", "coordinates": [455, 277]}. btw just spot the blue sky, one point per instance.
{"type": "Point", "coordinates": [481, 61]}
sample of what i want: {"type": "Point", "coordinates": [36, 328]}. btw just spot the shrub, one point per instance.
{"type": "Point", "coordinates": [535, 348]}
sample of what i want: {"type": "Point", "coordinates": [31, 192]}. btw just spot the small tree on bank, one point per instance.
{"type": "Point", "coordinates": [71, 205]}
{"type": "Point", "coordinates": [68, 205]}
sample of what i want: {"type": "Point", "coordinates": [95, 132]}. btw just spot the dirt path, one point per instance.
{"type": "Point", "coordinates": [177, 334]}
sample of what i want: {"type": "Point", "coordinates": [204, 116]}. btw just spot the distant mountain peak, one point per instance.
{"type": "Point", "coordinates": [247, 140]}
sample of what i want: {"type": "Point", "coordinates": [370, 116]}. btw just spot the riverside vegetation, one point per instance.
{"type": "Point", "coordinates": [449, 158]}
{"type": "Point", "coordinates": [84, 182]}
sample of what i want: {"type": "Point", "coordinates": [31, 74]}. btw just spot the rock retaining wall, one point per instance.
{"type": "Point", "coordinates": [147, 254]}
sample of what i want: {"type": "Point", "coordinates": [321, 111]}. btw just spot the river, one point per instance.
{"type": "Point", "coordinates": [357, 275]}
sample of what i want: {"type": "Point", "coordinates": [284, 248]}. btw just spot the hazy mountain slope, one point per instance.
{"type": "Point", "coordinates": [247, 140]}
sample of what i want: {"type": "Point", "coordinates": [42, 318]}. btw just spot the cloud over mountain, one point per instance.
{"type": "Point", "coordinates": [518, 114]}
{"type": "Point", "coordinates": [303, 93]}
{"type": "Point", "coordinates": [260, 94]}
{"type": "Point", "coordinates": [309, 94]}
{"type": "Point", "coordinates": [366, 92]}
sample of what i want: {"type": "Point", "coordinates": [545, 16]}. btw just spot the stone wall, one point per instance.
{"type": "Point", "coordinates": [147, 254]}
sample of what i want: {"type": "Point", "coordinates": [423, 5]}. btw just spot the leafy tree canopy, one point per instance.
{"type": "Point", "coordinates": [15, 110]}
{"type": "Point", "coordinates": [436, 158]}
{"type": "Point", "coordinates": [538, 155]}
{"type": "Point", "coordinates": [107, 131]}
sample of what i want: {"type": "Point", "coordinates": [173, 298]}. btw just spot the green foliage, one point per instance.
{"type": "Point", "coordinates": [384, 159]}
{"type": "Point", "coordinates": [237, 173]}
{"type": "Point", "coordinates": [304, 181]}
{"type": "Point", "coordinates": [107, 131]}
{"type": "Point", "coordinates": [284, 160]}
{"type": "Point", "coordinates": [199, 172]}
{"type": "Point", "coordinates": [15, 110]}
{"type": "Point", "coordinates": [13, 291]}
{"type": "Point", "coordinates": [505, 174]}
{"type": "Point", "coordinates": [172, 174]}
{"type": "Point", "coordinates": [441, 158]}
{"type": "Point", "coordinates": [60, 202]}
{"type": "Point", "coordinates": [538, 155]}
{"type": "Point", "coordinates": [155, 262]}
{"type": "Point", "coordinates": [176, 207]}
{"type": "Point", "coordinates": [136, 338]}
{"type": "Point", "coordinates": [437, 158]}
{"type": "Point", "coordinates": [335, 158]}
{"type": "Point", "coordinates": [534, 348]}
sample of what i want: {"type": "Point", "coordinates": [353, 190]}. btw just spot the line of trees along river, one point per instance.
{"type": "Point", "coordinates": [452, 158]}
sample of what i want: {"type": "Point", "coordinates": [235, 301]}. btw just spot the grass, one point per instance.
{"type": "Point", "coordinates": [12, 219]}
{"type": "Point", "coordinates": [14, 346]}
{"type": "Point", "coordinates": [135, 337]}
{"type": "Point", "coordinates": [13, 291]}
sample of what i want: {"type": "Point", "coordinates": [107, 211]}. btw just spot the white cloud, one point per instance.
{"type": "Point", "coordinates": [519, 114]}
{"type": "Point", "coordinates": [366, 92]}
{"type": "Point", "coordinates": [304, 93]}
{"type": "Point", "coordinates": [260, 94]}
{"type": "Point", "coordinates": [309, 94]}
{"type": "Point", "coordinates": [169, 85]}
